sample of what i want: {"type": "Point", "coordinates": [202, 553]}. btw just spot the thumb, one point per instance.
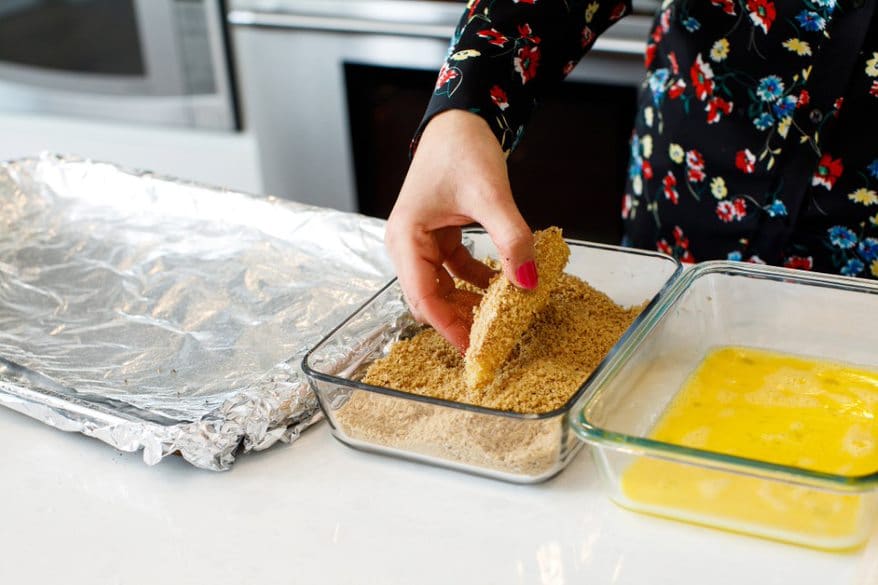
{"type": "Point", "coordinates": [514, 241]}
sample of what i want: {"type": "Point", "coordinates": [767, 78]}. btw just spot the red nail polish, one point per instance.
{"type": "Point", "coordinates": [526, 275]}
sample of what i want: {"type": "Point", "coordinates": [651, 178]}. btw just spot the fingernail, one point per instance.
{"type": "Point", "coordinates": [526, 275]}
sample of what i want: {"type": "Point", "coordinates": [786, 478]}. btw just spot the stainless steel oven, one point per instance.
{"type": "Point", "coordinates": [334, 89]}
{"type": "Point", "coordinates": [151, 61]}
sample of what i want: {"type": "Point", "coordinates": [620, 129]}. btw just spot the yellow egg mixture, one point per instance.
{"type": "Point", "coordinates": [817, 415]}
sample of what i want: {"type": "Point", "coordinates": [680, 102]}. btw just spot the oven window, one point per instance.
{"type": "Point", "coordinates": [83, 36]}
{"type": "Point", "coordinates": [569, 169]}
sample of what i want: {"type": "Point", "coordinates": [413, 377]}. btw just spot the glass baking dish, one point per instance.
{"type": "Point", "coordinates": [730, 304]}
{"type": "Point", "coordinates": [521, 448]}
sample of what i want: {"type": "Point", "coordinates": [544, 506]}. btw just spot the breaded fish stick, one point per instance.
{"type": "Point", "coordinates": [506, 311]}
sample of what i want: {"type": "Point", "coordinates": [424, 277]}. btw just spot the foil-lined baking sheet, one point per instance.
{"type": "Point", "coordinates": [165, 316]}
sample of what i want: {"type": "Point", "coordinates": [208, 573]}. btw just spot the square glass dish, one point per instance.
{"type": "Point", "coordinates": [522, 448]}
{"type": "Point", "coordinates": [719, 304]}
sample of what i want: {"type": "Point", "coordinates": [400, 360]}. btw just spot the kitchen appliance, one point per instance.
{"type": "Point", "coordinates": [335, 89]}
{"type": "Point", "coordinates": [161, 62]}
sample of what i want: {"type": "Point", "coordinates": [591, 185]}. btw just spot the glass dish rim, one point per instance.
{"type": "Point", "coordinates": [562, 410]}
{"type": "Point", "coordinates": [596, 436]}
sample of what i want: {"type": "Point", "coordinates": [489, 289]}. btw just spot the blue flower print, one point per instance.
{"type": "Point", "coordinates": [770, 88]}
{"type": "Point", "coordinates": [868, 250]}
{"type": "Point", "coordinates": [811, 21]}
{"type": "Point", "coordinates": [873, 168]}
{"type": "Point", "coordinates": [827, 5]}
{"type": "Point", "coordinates": [635, 166]}
{"type": "Point", "coordinates": [853, 267]}
{"type": "Point", "coordinates": [776, 209]}
{"type": "Point", "coordinates": [784, 107]}
{"type": "Point", "coordinates": [735, 256]}
{"type": "Point", "coordinates": [842, 237]}
{"type": "Point", "coordinates": [764, 122]}
{"type": "Point", "coordinates": [657, 81]}
{"type": "Point", "coordinates": [691, 24]}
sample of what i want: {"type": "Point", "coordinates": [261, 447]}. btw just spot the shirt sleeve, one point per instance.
{"type": "Point", "coordinates": [504, 53]}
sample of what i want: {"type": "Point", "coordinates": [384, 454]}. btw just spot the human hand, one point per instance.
{"type": "Point", "coordinates": [457, 176]}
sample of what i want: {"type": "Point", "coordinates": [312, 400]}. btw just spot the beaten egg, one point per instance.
{"type": "Point", "coordinates": [771, 407]}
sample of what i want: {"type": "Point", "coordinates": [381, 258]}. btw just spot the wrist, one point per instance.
{"type": "Point", "coordinates": [450, 124]}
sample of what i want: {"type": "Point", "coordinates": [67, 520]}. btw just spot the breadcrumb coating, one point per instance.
{"type": "Point", "coordinates": [506, 311]}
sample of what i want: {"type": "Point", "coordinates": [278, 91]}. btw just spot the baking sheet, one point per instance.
{"type": "Point", "coordinates": [166, 316]}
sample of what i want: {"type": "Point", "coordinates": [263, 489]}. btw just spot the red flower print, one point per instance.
{"type": "Point", "coordinates": [669, 183]}
{"type": "Point", "coordinates": [587, 37]}
{"type": "Point", "coordinates": [694, 159]}
{"type": "Point", "coordinates": [702, 78]}
{"type": "Point", "coordinates": [839, 102]}
{"type": "Point", "coordinates": [728, 6]}
{"type": "Point", "coordinates": [745, 161]}
{"type": "Point", "coordinates": [725, 211]}
{"type": "Point", "coordinates": [728, 211]}
{"type": "Point", "coordinates": [873, 91]}
{"type": "Point", "coordinates": [828, 171]}
{"type": "Point", "coordinates": [647, 169]}
{"type": "Point", "coordinates": [804, 99]}
{"type": "Point", "coordinates": [680, 247]}
{"type": "Point", "coordinates": [657, 34]}
{"type": "Point", "coordinates": [799, 262]}
{"type": "Point", "coordinates": [494, 37]}
{"type": "Point", "coordinates": [675, 66]}
{"type": "Point", "coordinates": [526, 33]}
{"type": "Point", "coordinates": [617, 12]}
{"type": "Point", "coordinates": [649, 55]}
{"type": "Point", "coordinates": [680, 239]}
{"type": "Point", "coordinates": [762, 13]}
{"type": "Point", "coordinates": [472, 9]}
{"type": "Point", "coordinates": [695, 175]}
{"type": "Point", "coordinates": [677, 89]}
{"type": "Point", "coordinates": [627, 205]}
{"type": "Point", "coordinates": [498, 96]}
{"type": "Point", "coordinates": [446, 75]}
{"type": "Point", "coordinates": [715, 107]}
{"type": "Point", "coordinates": [665, 20]}
{"type": "Point", "coordinates": [695, 166]}
{"type": "Point", "coordinates": [526, 62]}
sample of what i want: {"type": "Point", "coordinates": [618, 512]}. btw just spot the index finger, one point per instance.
{"type": "Point", "coordinates": [431, 294]}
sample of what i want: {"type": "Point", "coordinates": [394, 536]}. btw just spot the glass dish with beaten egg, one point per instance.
{"type": "Point", "coordinates": [746, 399]}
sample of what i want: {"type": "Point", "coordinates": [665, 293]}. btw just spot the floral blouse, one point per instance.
{"type": "Point", "coordinates": [757, 132]}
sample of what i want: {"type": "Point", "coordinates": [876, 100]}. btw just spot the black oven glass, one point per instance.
{"type": "Point", "coordinates": [569, 169]}
{"type": "Point", "coordinates": [81, 36]}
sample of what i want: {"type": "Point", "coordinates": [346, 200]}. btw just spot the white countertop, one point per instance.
{"type": "Point", "coordinates": [73, 510]}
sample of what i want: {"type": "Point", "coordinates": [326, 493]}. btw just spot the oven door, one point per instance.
{"type": "Point", "coordinates": [148, 61]}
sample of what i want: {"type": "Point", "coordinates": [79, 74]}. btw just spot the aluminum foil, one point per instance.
{"type": "Point", "coordinates": [166, 316]}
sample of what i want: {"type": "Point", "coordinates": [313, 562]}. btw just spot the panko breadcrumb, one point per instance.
{"type": "Point", "coordinates": [564, 343]}
{"type": "Point", "coordinates": [545, 367]}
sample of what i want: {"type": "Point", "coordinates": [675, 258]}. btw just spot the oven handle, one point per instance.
{"type": "Point", "coordinates": [254, 19]}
